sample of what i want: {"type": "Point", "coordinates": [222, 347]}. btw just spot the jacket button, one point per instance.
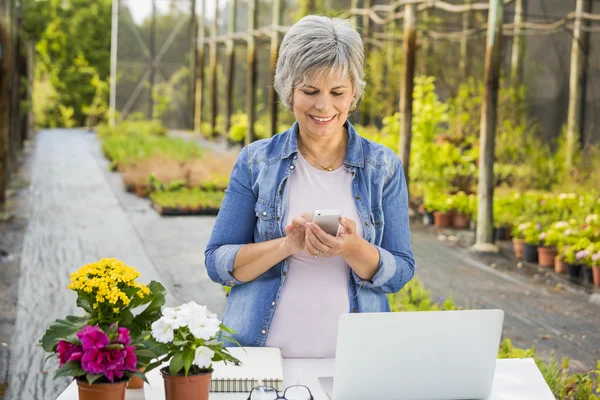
{"type": "Point", "coordinates": [264, 332]}
{"type": "Point", "coordinates": [354, 310]}
{"type": "Point", "coordinates": [357, 197]}
{"type": "Point", "coordinates": [284, 273]}
{"type": "Point", "coordinates": [273, 304]}
{"type": "Point", "coordinates": [278, 219]}
{"type": "Point", "coordinates": [265, 213]}
{"type": "Point", "coordinates": [292, 167]}
{"type": "Point", "coordinates": [366, 224]}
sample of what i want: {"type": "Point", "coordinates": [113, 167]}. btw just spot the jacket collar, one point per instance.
{"type": "Point", "coordinates": [354, 151]}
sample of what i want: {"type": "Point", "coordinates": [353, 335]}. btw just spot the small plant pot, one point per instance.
{"type": "Point", "coordinates": [460, 221]}
{"type": "Point", "coordinates": [596, 274]}
{"type": "Point", "coordinates": [518, 247]}
{"type": "Point", "coordinates": [574, 270]}
{"type": "Point", "coordinates": [135, 382]}
{"type": "Point", "coordinates": [442, 220]}
{"type": "Point", "coordinates": [500, 233]}
{"type": "Point", "coordinates": [547, 256]}
{"type": "Point", "coordinates": [560, 266]}
{"type": "Point", "coordinates": [101, 391]}
{"type": "Point", "coordinates": [428, 218]}
{"type": "Point", "coordinates": [191, 387]}
{"type": "Point", "coordinates": [530, 253]}
{"type": "Point", "coordinates": [588, 274]}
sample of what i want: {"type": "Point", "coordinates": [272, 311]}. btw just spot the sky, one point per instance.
{"type": "Point", "coordinates": [142, 9]}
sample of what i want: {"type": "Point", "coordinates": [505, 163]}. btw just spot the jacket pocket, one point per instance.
{"type": "Point", "coordinates": [265, 219]}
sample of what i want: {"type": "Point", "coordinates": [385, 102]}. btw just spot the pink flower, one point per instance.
{"type": "Point", "coordinates": [68, 352]}
{"type": "Point", "coordinates": [130, 359]}
{"type": "Point", "coordinates": [110, 363]}
{"type": "Point", "coordinates": [123, 336]}
{"type": "Point", "coordinates": [582, 254]}
{"type": "Point", "coordinates": [92, 337]}
{"type": "Point", "coordinates": [596, 257]}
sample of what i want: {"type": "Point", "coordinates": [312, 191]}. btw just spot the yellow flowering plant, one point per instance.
{"type": "Point", "coordinates": [109, 294]}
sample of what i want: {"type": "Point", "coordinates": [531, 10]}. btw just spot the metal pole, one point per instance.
{"type": "Point", "coordinates": [251, 95]}
{"type": "Point", "coordinates": [232, 27]}
{"type": "Point", "coordinates": [574, 115]}
{"type": "Point", "coordinates": [485, 213]}
{"type": "Point", "coordinates": [213, 71]}
{"type": "Point", "coordinates": [114, 35]}
{"type": "Point", "coordinates": [152, 61]}
{"type": "Point", "coordinates": [276, 21]}
{"type": "Point", "coordinates": [464, 43]}
{"type": "Point", "coordinates": [199, 71]}
{"type": "Point", "coordinates": [406, 94]}
{"type": "Point", "coordinates": [193, 47]}
{"type": "Point", "coordinates": [516, 64]}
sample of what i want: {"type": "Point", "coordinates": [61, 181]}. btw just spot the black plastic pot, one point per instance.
{"type": "Point", "coordinates": [428, 218]}
{"type": "Point", "coordinates": [530, 253]}
{"type": "Point", "coordinates": [588, 275]}
{"type": "Point", "coordinates": [574, 270]}
{"type": "Point", "coordinates": [500, 233]}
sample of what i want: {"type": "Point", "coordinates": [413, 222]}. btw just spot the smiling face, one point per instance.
{"type": "Point", "coordinates": [322, 106]}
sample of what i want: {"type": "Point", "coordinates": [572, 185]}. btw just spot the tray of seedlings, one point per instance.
{"type": "Point", "coordinates": [186, 201]}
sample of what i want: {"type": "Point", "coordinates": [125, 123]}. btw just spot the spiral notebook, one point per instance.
{"type": "Point", "coordinates": [259, 365]}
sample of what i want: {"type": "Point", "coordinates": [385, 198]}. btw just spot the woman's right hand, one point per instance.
{"type": "Point", "coordinates": [296, 233]}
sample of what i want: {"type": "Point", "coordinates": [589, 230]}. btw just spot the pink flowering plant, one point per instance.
{"type": "Point", "coordinates": [579, 252]}
{"type": "Point", "coordinates": [95, 355]}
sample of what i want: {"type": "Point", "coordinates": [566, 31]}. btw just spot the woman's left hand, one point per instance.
{"type": "Point", "coordinates": [321, 244]}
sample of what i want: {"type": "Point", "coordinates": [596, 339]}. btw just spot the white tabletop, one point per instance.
{"type": "Point", "coordinates": [514, 379]}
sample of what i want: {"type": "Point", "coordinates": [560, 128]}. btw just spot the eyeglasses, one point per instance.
{"type": "Point", "coordinates": [295, 392]}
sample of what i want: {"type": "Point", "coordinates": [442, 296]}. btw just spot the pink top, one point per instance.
{"type": "Point", "coordinates": [315, 292]}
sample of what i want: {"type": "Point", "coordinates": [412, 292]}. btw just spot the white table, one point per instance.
{"type": "Point", "coordinates": [515, 379]}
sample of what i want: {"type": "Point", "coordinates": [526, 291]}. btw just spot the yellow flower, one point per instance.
{"type": "Point", "coordinates": [116, 310]}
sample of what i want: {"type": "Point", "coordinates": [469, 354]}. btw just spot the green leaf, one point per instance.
{"type": "Point", "coordinates": [93, 378]}
{"type": "Point", "coordinates": [179, 343]}
{"type": "Point", "coordinates": [159, 349]}
{"type": "Point", "coordinates": [176, 363]}
{"type": "Point", "coordinates": [141, 376]}
{"type": "Point", "coordinates": [85, 304]}
{"type": "Point", "coordinates": [144, 353]}
{"type": "Point", "coordinates": [72, 368]}
{"type": "Point", "coordinates": [61, 329]}
{"type": "Point", "coordinates": [153, 311]}
{"type": "Point", "coordinates": [188, 358]}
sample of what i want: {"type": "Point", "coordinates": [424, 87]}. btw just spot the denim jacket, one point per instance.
{"type": "Point", "coordinates": [255, 210]}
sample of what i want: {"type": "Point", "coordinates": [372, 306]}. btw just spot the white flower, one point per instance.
{"type": "Point", "coordinates": [563, 196]}
{"type": "Point", "coordinates": [592, 219]}
{"type": "Point", "coordinates": [203, 357]}
{"type": "Point", "coordinates": [524, 226]}
{"type": "Point", "coordinates": [162, 331]}
{"type": "Point", "coordinates": [561, 224]}
{"type": "Point", "coordinates": [204, 328]}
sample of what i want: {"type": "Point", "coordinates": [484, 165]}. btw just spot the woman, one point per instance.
{"type": "Point", "coordinates": [289, 280]}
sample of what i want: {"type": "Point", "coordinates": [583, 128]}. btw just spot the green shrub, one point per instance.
{"type": "Point", "coordinates": [188, 198]}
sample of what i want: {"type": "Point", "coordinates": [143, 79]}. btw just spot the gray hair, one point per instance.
{"type": "Point", "coordinates": [316, 44]}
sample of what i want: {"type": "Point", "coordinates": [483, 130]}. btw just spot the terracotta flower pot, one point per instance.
{"type": "Point", "coordinates": [546, 256]}
{"type": "Point", "coordinates": [460, 221]}
{"type": "Point", "coordinates": [596, 274]}
{"type": "Point", "coordinates": [101, 391]}
{"type": "Point", "coordinates": [191, 387]}
{"type": "Point", "coordinates": [442, 220]}
{"type": "Point", "coordinates": [560, 266]}
{"type": "Point", "coordinates": [518, 247]}
{"type": "Point", "coordinates": [135, 382]}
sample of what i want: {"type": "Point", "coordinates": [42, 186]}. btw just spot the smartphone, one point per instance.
{"type": "Point", "coordinates": [328, 220]}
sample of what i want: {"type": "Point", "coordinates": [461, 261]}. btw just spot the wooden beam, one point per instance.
{"type": "Point", "coordinates": [231, 27]}
{"type": "Point", "coordinates": [406, 94]}
{"type": "Point", "coordinates": [199, 87]}
{"type": "Point", "coordinates": [489, 115]}
{"type": "Point", "coordinates": [192, 46]}
{"type": "Point", "coordinates": [464, 43]}
{"type": "Point", "coordinates": [251, 78]}
{"type": "Point", "coordinates": [214, 90]}
{"type": "Point", "coordinates": [575, 89]}
{"type": "Point", "coordinates": [276, 21]}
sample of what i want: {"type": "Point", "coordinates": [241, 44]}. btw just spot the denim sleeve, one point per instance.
{"type": "Point", "coordinates": [234, 226]}
{"type": "Point", "coordinates": [396, 262]}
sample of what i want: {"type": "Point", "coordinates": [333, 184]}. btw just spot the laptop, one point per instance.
{"type": "Point", "coordinates": [430, 355]}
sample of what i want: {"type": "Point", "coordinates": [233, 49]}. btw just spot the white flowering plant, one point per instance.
{"type": "Point", "coordinates": [190, 338]}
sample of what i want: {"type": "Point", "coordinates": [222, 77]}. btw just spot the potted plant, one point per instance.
{"type": "Point", "coordinates": [531, 242]}
{"type": "Point", "coordinates": [576, 256]}
{"type": "Point", "coordinates": [519, 238]}
{"type": "Point", "coordinates": [444, 206]}
{"type": "Point", "coordinates": [463, 207]}
{"type": "Point", "coordinates": [190, 338]}
{"type": "Point", "coordinates": [596, 264]}
{"type": "Point", "coordinates": [547, 250]}
{"type": "Point", "coordinates": [568, 237]}
{"type": "Point", "coordinates": [105, 347]}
